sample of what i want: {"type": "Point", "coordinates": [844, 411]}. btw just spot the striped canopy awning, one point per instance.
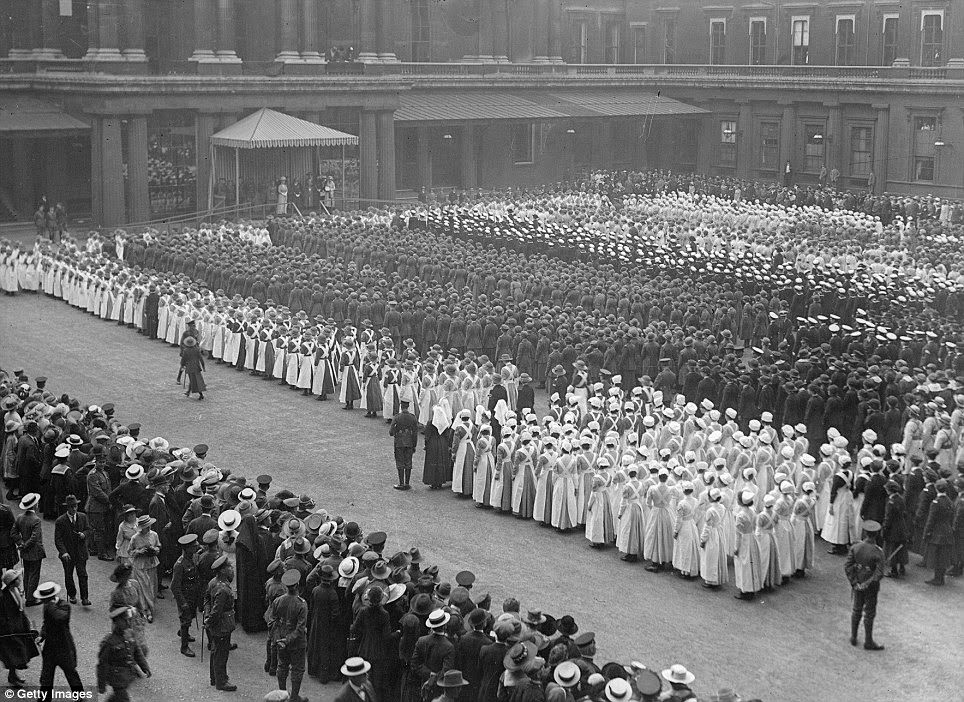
{"type": "Point", "coordinates": [267, 129]}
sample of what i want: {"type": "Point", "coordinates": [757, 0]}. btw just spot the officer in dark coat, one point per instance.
{"type": "Point", "coordinates": [119, 658]}
{"type": "Point", "coordinates": [895, 530]}
{"type": "Point", "coordinates": [405, 430]}
{"type": "Point", "coordinates": [864, 569]}
{"type": "Point", "coordinates": [186, 589]}
{"type": "Point", "coordinates": [59, 650]}
{"type": "Point", "coordinates": [288, 621]}
{"type": "Point", "coordinates": [467, 650]}
{"type": "Point", "coordinates": [492, 657]}
{"type": "Point", "coordinates": [71, 531]}
{"type": "Point", "coordinates": [939, 533]}
{"type": "Point", "coordinates": [875, 495]}
{"type": "Point", "coordinates": [219, 621]}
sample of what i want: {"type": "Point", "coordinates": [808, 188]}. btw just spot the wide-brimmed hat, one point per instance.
{"type": "Point", "coordinates": [348, 568]}
{"type": "Point", "coordinates": [229, 520]}
{"type": "Point", "coordinates": [519, 656]}
{"type": "Point", "coordinates": [190, 341]}
{"type": "Point", "coordinates": [567, 674]}
{"type": "Point", "coordinates": [145, 520]}
{"type": "Point", "coordinates": [355, 666]}
{"type": "Point", "coordinates": [677, 673]}
{"type": "Point", "coordinates": [71, 501]}
{"type": "Point", "coordinates": [134, 472]}
{"type": "Point", "coordinates": [301, 546]}
{"type": "Point", "coordinates": [534, 617]}
{"type": "Point", "coordinates": [619, 690]}
{"type": "Point", "coordinates": [451, 678]}
{"type": "Point", "coordinates": [46, 591]}
{"type": "Point", "coordinates": [567, 626]}
{"type": "Point", "coordinates": [381, 571]}
{"type": "Point", "coordinates": [29, 501]}
{"type": "Point", "coordinates": [437, 619]}
{"type": "Point", "coordinates": [9, 576]}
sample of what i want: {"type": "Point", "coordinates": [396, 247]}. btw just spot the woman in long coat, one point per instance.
{"type": "Point", "coordinates": [128, 593]}
{"type": "Point", "coordinates": [17, 644]}
{"type": "Point", "coordinates": [145, 547]}
{"type": "Point", "coordinates": [438, 447]}
{"type": "Point", "coordinates": [801, 522]}
{"type": "Point", "coordinates": [252, 561]}
{"type": "Point", "coordinates": [326, 641]}
{"type": "Point", "coordinates": [747, 568]}
{"type": "Point", "coordinates": [713, 542]}
{"type": "Point", "coordinates": [372, 631]}
{"type": "Point", "coordinates": [193, 364]}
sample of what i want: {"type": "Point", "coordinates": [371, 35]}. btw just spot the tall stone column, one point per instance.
{"type": "Point", "coordinates": [832, 139]}
{"type": "Point", "coordinates": [205, 31]}
{"type": "Point", "coordinates": [93, 31]}
{"type": "Point", "coordinates": [540, 31]}
{"type": "Point", "coordinates": [288, 27]}
{"type": "Point", "coordinates": [108, 21]}
{"type": "Point", "coordinates": [108, 168]}
{"type": "Point", "coordinates": [881, 147]}
{"type": "Point", "coordinates": [423, 157]}
{"type": "Point", "coordinates": [227, 33]}
{"type": "Point", "coordinates": [367, 50]}
{"type": "Point", "coordinates": [788, 128]}
{"type": "Point", "coordinates": [555, 31]}
{"type": "Point", "coordinates": [744, 140]}
{"type": "Point", "coordinates": [134, 52]}
{"type": "Point", "coordinates": [312, 47]}
{"type": "Point", "coordinates": [469, 167]}
{"type": "Point", "coordinates": [499, 31]}
{"type": "Point", "coordinates": [204, 129]}
{"type": "Point", "coordinates": [386, 154]}
{"type": "Point", "coordinates": [384, 31]}
{"type": "Point", "coordinates": [367, 156]}
{"type": "Point", "coordinates": [137, 168]}
{"type": "Point", "coordinates": [96, 159]}
{"type": "Point", "coordinates": [49, 48]}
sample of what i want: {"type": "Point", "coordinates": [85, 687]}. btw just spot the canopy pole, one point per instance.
{"type": "Point", "coordinates": [343, 193]}
{"type": "Point", "coordinates": [211, 181]}
{"type": "Point", "coordinates": [237, 180]}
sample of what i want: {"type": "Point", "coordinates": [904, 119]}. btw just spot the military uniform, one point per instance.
{"type": "Point", "coordinates": [186, 588]}
{"type": "Point", "coordinates": [117, 663]}
{"type": "Point", "coordinates": [864, 569]}
{"type": "Point", "coordinates": [288, 620]}
{"type": "Point", "coordinates": [219, 622]}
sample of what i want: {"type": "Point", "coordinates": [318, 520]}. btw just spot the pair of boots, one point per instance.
{"type": "Point", "coordinates": [296, 678]}
{"type": "Point", "coordinates": [404, 478]}
{"type": "Point", "coordinates": [185, 640]}
{"type": "Point", "coordinates": [869, 642]}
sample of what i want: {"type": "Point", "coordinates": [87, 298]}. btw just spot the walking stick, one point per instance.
{"type": "Point", "coordinates": [201, 627]}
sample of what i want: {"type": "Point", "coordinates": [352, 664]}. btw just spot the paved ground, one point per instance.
{"type": "Point", "coordinates": [789, 646]}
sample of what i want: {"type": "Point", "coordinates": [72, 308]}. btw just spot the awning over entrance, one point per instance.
{"type": "Point", "coordinates": [29, 117]}
{"type": "Point", "coordinates": [480, 105]}
{"type": "Point", "coordinates": [267, 129]}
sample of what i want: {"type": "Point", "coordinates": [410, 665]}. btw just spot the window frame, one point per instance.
{"type": "Point", "coordinates": [851, 48]}
{"type": "Point", "coordinates": [806, 20]}
{"type": "Point", "coordinates": [923, 17]}
{"type": "Point", "coordinates": [636, 29]}
{"type": "Point", "coordinates": [613, 49]}
{"type": "Point", "coordinates": [728, 144]}
{"type": "Point", "coordinates": [924, 151]}
{"type": "Point", "coordinates": [810, 131]}
{"type": "Point", "coordinates": [714, 22]}
{"type": "Point", "coordinates": [764, 136]}
{"type": "Point", "coordinates": [884, 45]}
{"type": "Point", "coordinates": [668, 46]}
{"type": "Point", "coordinates": [763, 57]}
{"type": "Point", "coordinates": [851, 168]}
{"type": "Point", "coordinates": [531, 126]}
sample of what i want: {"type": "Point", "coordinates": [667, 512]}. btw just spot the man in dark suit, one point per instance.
{"type": "Point", "coordinates": [434, 652]}
{"type": "Point", "coordinates": [71, 531]}
{"type": "Point", "coordinates": [526, 398]}
{"type": "Point", "coordinates": [939, 533]}
{"type": "Point", "coordinates": [467, 652]}
{"type": "Point", "coordinates": [31, 545]}
{"type": "Point", "coordinates": [491, 657]}
{"type": "Point", "coordinates": [405, 430]}
{"type": "Point", "coordinates": [358, 688]}
{"type": "Point", "coordinates": [875, 494]}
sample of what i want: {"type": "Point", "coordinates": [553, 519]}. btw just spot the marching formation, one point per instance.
{"type": "Point", "coordinates": [231, 552]}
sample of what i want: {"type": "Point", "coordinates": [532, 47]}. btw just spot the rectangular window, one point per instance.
{"type": "Point", "coordinates": [846, 40]}
{"type": "Point", "coordinates": [800, 39]}
{"type": "Point", "coordinates": [612, 41]}
{"type": "Point", "coordinates": [925, 134]}
{"type": "Point", "coordinates": [579, 40]}
{"type": "Point", "coordinates": [728, 143]}
{"type": "Point", "coordinates": [522, 143]}
{"type": "Point", "coordinates": [421, 25]}
{"type": "Point", "coordinates": [769, 145]}
{"type": "Point", "coordinates": [889, 39]}
{"type": "Point", "coordinates": [931, 38]}
{"type": "Point", "coordinates": [813, 149]}
{"type": "Point", "coordinates": [758, 41]}
{"type": "Point", "coordinates": [861, 151]}
{"type": "Point", "coordinates": [639, 43]}
{"type": "Point", "coordinates": [669, 41]}
{"type": "Point", "coordinates": [717, 41]}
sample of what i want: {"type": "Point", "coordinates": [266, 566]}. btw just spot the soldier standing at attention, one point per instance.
{"type": "Point", "coordinates": [405, 430]}
{"type": "Point", "coordinates": [865, 568]}
{"type": "Point", "coordinates": [186, 588]}
{"type": "Point", "coordinates": [219, 621]}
